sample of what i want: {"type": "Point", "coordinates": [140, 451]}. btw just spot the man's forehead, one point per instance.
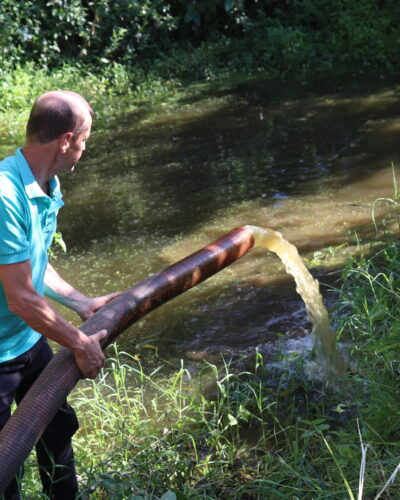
{"type": "Point", "coordinates": [85, 129]}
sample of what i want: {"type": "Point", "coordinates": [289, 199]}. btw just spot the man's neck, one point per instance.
{"type": "Point", "coordinates": [41, 160]}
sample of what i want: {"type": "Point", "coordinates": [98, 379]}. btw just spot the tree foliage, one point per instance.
{"type": "Point", "coordinates": [279, 32]}
{"type": "Point", "coordinates": [54, 31]}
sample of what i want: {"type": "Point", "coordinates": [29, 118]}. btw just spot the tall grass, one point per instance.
{"type": "Point", "coordinates": [229, 434]}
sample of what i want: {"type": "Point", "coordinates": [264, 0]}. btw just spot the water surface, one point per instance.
{"type": "Point", "coordinates": [157, 186]}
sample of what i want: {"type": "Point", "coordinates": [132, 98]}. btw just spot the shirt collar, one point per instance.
{"type": "Point", "coordinates": [32, 188]}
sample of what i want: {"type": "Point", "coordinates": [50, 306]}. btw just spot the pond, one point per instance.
{"type": "Point", "coordinates": [308, 162]}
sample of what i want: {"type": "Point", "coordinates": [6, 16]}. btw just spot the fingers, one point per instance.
{"type": "Point", "coordinates": [111, 296]}
{"type": "Point", "coordinates": [91, 359]}
{"type": "Point", "coordinates": [96, 303]}
{"type": "Point", "coordinates": [99, 336]}
{"type": "Point", "coordinates": [89, 367]}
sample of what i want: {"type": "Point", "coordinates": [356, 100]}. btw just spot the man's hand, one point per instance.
{"type": "Point", "coordinates": [88, 356]}
{"type": "Point", "coordinates": [24, 301]}
{"type": "Point", "coordinates": [64, 293]}
{"type": "Point", "coordinates": [89, 306]}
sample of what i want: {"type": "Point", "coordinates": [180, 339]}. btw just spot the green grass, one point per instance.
{"type": "Point", "coordinates": [110, 91]}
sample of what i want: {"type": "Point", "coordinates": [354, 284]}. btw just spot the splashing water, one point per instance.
{"type": "Point", "coordinates": [327, 353]}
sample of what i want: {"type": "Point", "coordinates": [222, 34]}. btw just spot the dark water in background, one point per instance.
{"type": "Point", "coordinates": [158, 186]}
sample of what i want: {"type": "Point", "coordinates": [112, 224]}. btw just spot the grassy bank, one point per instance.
{"type": "Point", "coordinates": [279, 56]}
{"type": "Point", "coordinates": [108, 93]}
{"type": "Point", "coordinates": [230, 433]}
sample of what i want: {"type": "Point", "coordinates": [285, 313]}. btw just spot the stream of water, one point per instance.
{"type": "Point", "coordinates": [327, 354]}
{"type": "Point", "coordinates": [307, 162]}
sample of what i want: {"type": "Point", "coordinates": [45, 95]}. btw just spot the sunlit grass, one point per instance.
{"type": "Point", "coordinates": [111, 91]}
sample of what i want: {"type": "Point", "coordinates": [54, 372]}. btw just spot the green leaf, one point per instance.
{"type": "Point", "coordinates": [232, 420]}
{"type": "Point", "coordinates": [170, 495]}
{"type": "Point", "coordinates": [58, 240]}
{"type": "Point", "coordinates": [181, 496]}
{"type": "Point", "coordinates": [174, 495]}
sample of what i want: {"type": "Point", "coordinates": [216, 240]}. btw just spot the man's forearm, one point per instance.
{"type": "Point", "coordinates": [38, 313]}
{"type": "Point", "coordinates": [42, 317]}
{"type": "Point", "coordinates": [24, 301]}
{"type": "Point", "coordinates": [59, 290]}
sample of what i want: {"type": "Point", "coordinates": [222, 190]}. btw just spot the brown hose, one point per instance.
{"type": "Point", "coordinates": [41, 403]}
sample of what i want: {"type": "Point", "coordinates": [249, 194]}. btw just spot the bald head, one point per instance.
{"type": "Point", "coordinates": [55, 113]}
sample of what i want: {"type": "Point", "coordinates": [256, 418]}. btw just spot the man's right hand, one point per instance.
{"type": "Point", "coordinates": [88, 356]}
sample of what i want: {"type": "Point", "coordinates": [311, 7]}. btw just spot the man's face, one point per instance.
{"type": "Point", "coordinates": [77, 145]}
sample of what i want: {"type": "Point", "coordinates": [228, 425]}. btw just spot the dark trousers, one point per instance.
{"type": "Point", "coordinates": [54, 449]}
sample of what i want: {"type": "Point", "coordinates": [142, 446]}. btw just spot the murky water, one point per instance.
{"type": "Point", "coordinates": [324, 337]}
{"type": "Point", "coordinates": [159, 186]}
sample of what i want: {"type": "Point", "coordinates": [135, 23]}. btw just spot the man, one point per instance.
{"type": "Point", "coordinates": [57, 130]}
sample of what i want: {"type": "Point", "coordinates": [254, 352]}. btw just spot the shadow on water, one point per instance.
{"type": "Point", "coordinates": [173, 170]}
{"type": "Point", "coordinates": [158, 185]}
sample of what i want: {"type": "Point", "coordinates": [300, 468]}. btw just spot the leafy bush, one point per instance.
{"type": "Point", "coordinates": [268, 34]}
{"type": "Point", "coordinates": [54, 31]}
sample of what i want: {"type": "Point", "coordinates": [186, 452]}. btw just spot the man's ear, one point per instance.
{"type": "Point", "coordinates": [65, 141]}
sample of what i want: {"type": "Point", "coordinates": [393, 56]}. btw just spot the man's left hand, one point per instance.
{"type": "Point", "coordinates": [91, 305]}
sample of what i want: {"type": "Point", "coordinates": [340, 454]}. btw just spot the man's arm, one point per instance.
{"type": "Point", "coordinates": [36, 311]}
{"type": "Point", "coordinates": [61, 291]}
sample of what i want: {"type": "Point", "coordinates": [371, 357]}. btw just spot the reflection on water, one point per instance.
{"type": "Point", "coordinates": [159, 187]}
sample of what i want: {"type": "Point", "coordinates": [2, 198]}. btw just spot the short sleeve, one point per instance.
{"type": "Point", "coordinates": [14, 244]}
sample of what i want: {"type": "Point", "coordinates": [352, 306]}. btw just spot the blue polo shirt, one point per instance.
{"type": "Point", "coordinates": [28, 219]}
